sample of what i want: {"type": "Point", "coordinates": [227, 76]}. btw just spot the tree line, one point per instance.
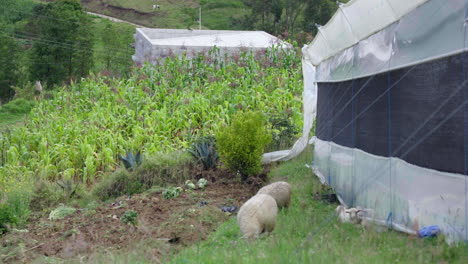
{"type": "Point", "coordinates": [292, 18]}
{"type": "Point", "coordinates": [55, 43]}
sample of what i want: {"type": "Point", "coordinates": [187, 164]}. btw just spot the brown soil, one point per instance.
{"type": "Point", "coordinates": [172, 223]}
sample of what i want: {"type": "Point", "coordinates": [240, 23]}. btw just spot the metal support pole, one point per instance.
{"type": "Point", "coordinates": [199, 18]}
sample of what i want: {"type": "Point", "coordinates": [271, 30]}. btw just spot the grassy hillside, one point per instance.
{"type": "Point", "coordinates": [216, 14]}
{"type": "Point", "coordinates": [309, 232]}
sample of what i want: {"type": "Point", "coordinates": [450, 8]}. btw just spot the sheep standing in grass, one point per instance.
{"type": "Point", "coordinates": [257, 215]}
{"type": "Point", "coordinates": [280, 191]}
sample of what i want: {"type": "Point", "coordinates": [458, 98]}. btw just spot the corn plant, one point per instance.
{"type": "Point", "coordinates": [79, 133]}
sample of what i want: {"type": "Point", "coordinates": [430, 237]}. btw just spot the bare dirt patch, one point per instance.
{"type": "Point", "coordinates": [172, 223]}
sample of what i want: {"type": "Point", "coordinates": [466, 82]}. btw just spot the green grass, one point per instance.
{"type": "Point", "coordinates": [216, 14]}
{"type": "Point", "coordinates": [14, 111]}
{"type": "Point", "coordinates": [308, 232]}
{"type": "Point", "coordinates": [7, 119]}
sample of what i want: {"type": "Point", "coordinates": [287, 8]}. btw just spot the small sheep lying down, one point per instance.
{"type": "Point", "coordinates": [356, 215]}
{"type": "Point", "coordinates": [280, 191]}
{"type": "Point", "coordinates": [351, 215]}
{"type": "Point", "coordinates": [257, 215]}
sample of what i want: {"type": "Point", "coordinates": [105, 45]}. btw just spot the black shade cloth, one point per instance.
{"type": "Point", "coordinates": [365, 114]}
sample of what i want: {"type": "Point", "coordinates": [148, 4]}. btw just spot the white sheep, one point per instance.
{"type": "Point", "coordinates": [257, 215]}
{"type": "Point", "coordinates": [351, 215]}
{"type": "Point", "coordinates": [280, 191]}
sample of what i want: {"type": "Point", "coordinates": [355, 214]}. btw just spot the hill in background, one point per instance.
{"type": "Point", "coordinates": [216, 14]}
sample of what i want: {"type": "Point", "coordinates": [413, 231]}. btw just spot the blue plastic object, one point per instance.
{"type": "Point", "coordinates": [429, 231]}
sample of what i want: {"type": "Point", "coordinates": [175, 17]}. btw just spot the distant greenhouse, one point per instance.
{"type": "Point", "coordinates": [153, 44]}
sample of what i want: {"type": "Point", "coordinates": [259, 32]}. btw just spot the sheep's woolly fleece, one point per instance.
{"type": "Point", "coordinates": [280, 191]}
{"type": "Point", "coordinates": [257, 215]}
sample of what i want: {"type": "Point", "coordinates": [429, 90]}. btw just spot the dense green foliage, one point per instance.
{"type": "Point", "coordinates": [12, 11]}
{"type": "Point", "coordinates": [242, 142]}
{"type": "Point", "coordinates": [63, 49]}
{"type": "Point", "coordinates": [292, 18]}
{"type": "Point", "coordinates": [9, 63]}
{"type": "Point", "coordinates": [82, 130]}
{"type": "Point", "coordinates": [112, 51]}
{"type": "Point", "coordinates": [55, 43]}
{"type": "Point", "coordinates": [18, 106]}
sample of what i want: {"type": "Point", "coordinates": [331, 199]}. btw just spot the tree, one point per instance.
{"type": "Point", "coordinates": [318, 12]}
{"type": "Point", "coordinates": [12, 11]}
{"type": "Point", "coordinates": [9, 64]}
{"type": "Point", "coordinates": [117, 41]}
{"type": "Point", "coordinates": [64, 47]}
{"type": "Point", "coordinates": [293, 9]}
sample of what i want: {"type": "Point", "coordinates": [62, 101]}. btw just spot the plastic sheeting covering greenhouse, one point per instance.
{"type": "Point", "coordinates": [153, 44]}
{"type": "Point", "coordinates": [388, 84]}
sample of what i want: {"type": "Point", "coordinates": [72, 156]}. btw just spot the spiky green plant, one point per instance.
{"type": "Point", "coordinates": [131, 161]}
{"type": "Point", "coordinates": [204, 151]}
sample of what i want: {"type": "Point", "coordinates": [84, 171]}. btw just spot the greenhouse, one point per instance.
{"type": "Point", "coordinates": [387, 81]}
{"type": "Point", "coordinates": [152, 44]}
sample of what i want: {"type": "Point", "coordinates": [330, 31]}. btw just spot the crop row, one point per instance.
{"type": "Point", "coordinates": [79, 133]}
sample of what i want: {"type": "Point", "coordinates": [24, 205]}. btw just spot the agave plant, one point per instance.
{"type": "Point", "coordinates": [131, 161]}
{"type": "Point", "coordinates": [204, 151]}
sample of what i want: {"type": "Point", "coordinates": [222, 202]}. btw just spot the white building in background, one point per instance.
{"type": "Point", "coordinates": [152, 44]}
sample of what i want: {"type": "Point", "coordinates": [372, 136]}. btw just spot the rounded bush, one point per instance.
{"type": "Point", "coordinates": [242, 143]}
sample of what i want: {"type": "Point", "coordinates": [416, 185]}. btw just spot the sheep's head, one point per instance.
{"type": "Point", "coordinates": [354, 215]}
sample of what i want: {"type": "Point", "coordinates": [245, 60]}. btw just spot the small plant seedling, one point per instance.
{"type": "Point", "coordinates": [130, 217]}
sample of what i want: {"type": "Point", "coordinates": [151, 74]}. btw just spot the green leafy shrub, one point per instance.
{"type": "Point", "coordinates": [18, 106]}
{"type": "Point", "coordinates": [204, 151]}
{"type": "Point", "coordinates": [241, 144]}
{"type": "Point", "coordinates": [283, 131]}
{"type": "Point", "coordinates": [130, 217]}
